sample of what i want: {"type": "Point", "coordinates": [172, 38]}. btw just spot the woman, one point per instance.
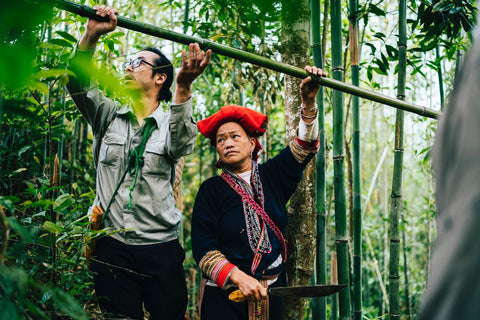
{"type": "Point", "coordinates": [239, 217]}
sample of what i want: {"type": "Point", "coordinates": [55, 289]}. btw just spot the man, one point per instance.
{"type": "Point", "coordinates": [137, 147]}
{"type": "Point", "coordinates": [453, 290]}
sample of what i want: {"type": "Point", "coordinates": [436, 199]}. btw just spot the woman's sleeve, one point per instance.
{"type": "Point", "coordinates": [205, 240]}
{"type": "Point", "coordinates": [306, 142]}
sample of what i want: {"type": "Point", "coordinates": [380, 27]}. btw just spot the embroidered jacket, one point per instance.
{"type": "Point", "coordinates": [219, 232]}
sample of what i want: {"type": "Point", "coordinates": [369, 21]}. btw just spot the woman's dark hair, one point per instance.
{"type": "Point", "coordinates": [163, 66]}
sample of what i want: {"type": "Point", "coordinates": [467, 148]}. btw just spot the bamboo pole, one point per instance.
{"type": "Point", "coordinates": [396, 197]}
{"type": "Point", "coordinates": [334, 280]}
{"type": "Point", "coordinates": [341, 235]}
{"type": "Point", "coordinates": [320, 309]}
{"type": "Point", "coordinates": [357, 211]}
{"type": "Point", "coordinates": [405, 274]}
{"type": "Point", "coordinates": [440, 77]}
{"type": "Point", "coordinates": [244, 56]}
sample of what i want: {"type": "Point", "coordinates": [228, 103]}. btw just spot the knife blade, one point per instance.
{"type": "Point", "coordinates": [301, 291]}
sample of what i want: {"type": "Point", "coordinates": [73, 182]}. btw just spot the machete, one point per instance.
{"type": "Point", "coordinates": [307, 291]}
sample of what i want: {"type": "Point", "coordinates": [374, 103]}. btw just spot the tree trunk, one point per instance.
{"type": "Point", "coordinates": [300, 231]}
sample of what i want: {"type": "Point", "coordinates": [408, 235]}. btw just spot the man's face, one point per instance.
{"type": "Point", "coordinates": [139, 72]}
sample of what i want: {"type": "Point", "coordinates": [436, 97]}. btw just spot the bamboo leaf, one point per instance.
{"type": "Point", "coordinates": [376, 10]}
{"type": "Point", "coordinates": [61, 43]}
{"type": "Point", "coordinates": [63, 201]}
{"type": "Point", "coordinates": [67, 36]}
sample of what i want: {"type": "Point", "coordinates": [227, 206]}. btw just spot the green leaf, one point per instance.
{"type": "Point", "coordinates": [63, 201]}
{"type": "Point", "coordinates": [52, 227]}
{"type": "Point", "coordinates": [22, 151]}
{"type": "Point", "coordinates": [20, 230]}
{"type": "Point", "coordinates": [67, 36]}
{"type": "Point", "coordinates": [19, 170]}
{"type": "Point", "coordinates": [369, 73]}
{"type": "Point", "coordinates": [67, 304]}
{"type": "Point", "coordinates": [16, 64]}
{"type": "Point", "coordinates": [61, 43]}
{"type": "Point", "coordinates": [8, 202]}
{"type": "Point", "coordinates": [376, 10]}
{"type": "Point", "coordinates": [41, 87]}
{"type": "Point", "coordinates": [51, 74]}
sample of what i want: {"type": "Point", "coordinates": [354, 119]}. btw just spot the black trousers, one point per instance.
{"type": "Point", "coordinates": [128, 277]}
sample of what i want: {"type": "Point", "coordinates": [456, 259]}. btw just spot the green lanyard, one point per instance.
{"type": "Point", "coordinates": [135, 163]}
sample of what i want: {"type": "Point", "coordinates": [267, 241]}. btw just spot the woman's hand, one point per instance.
{"type": "Point", "coordinates": [250, 287]}
{"type": "Point", "coordinates": [309, 90]}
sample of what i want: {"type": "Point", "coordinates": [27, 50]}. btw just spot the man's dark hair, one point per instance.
{"type": "Point", "coordinates": [163, 66]}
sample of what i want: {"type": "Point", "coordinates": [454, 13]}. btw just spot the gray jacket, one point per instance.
{"type": "Point", "coordinates": [153, 217]}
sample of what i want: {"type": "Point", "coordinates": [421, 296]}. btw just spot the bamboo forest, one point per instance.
{"type": "Point", "coordinates": [364, 214]}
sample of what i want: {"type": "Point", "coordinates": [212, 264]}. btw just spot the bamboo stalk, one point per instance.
{"type": "Point", "coordinates": [341, 235]}
{"type": "Point", "coordinates": [320, 310]}
{"type": "Point", "coordinates": [334, 280]}
{"type": "Point", "coordinates": [396, 197]}
{"type": "Point", "coordinates": [357, 211]}
{"type": "Point", "coordinates": [244, 56]}
{"type": "Point", "coordinates": [440, 77]}
{"type": "Point", "coordinates": [405, 274]}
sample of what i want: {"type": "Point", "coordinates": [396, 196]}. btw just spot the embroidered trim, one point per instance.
{"type": "Point", "coordinates": [259, 310]}
{"type": "Point", "coordinates": [216, 267]}
{"type": "Point", "coordinates": [260, 212]}
{"type": "Point", "coordinates": [302, 149]}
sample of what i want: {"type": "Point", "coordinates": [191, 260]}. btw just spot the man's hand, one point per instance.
{"type": "Point", "coordinates": [309, 90]}
{"type": "Point", "coordinates": [95, 29]}
{"type": "Point", "coordinates": [249, 286]}
{"type": "Point", "coordinates": [193, 65]}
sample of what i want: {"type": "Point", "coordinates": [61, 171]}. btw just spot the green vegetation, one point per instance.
{"type": "Point", "coordinates": [47, 175]}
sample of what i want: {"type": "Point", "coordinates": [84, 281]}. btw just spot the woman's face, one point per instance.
{"type": "Point", "coordinates": [234, 147]}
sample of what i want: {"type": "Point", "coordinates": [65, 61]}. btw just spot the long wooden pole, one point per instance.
{"type": "Point", "coordinates": [152, 30]}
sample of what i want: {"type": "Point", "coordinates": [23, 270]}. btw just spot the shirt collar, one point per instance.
{"type": "Point", "coordinates": [158, 115]}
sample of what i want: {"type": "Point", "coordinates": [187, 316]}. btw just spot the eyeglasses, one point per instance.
{"type": "Point", "coordinates": [135, 63]}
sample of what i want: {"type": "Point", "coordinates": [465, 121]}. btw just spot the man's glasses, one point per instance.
{"type": "Point", "coordinates": [135, 63]}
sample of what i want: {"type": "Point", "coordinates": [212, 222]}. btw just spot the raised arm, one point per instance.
{"type": "Point", "coordinates": [91, 102]}
{"type": "Point", "coordinates": [193, 64]}
{"type": "Point", "coordinates": [308, 94]}
{"type": "Point", "coordinates": [95, 29]}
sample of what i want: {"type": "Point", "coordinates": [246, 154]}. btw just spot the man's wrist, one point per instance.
{"type": "Point", "coordinates": [88, 41]}
{"type": "Point", "coordinates": [182, 93]}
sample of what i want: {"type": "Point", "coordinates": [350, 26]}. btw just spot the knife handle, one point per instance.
{"type": "Point", "coordinates": [237, 296]}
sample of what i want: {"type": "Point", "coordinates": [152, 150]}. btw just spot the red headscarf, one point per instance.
{"type": "Point", "coordinates": [253, 122]}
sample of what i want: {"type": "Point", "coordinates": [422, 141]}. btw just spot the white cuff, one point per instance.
{"type": "Point", "coordinates": [308, 132]}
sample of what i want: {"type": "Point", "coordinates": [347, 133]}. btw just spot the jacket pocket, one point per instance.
{"type": "Point", "coordinates": [157, 161]}
{"type": "Point", "coordinates": [111, 150]}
